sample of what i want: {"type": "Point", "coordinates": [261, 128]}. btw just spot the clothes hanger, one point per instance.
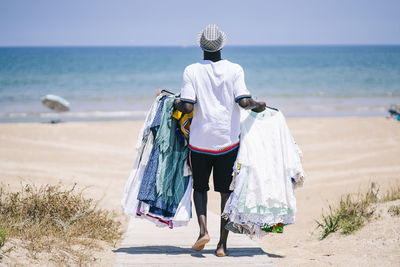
{"type": "Point", "coordinates": [164, 91]}
{"type": "Point", "coordinates": [269, 112]}
{"type": "Point", "coordinates": [272, 108]}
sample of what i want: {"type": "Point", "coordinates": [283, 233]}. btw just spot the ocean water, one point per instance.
{"type": "Point", "coordinates": [118, 83]}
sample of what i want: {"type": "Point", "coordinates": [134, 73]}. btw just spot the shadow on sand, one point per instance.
{"type": "Point", "coordinates": [173, 250]}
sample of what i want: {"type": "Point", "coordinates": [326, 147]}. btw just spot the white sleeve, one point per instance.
{"type": "Point", "coordinates": [240, 90]}
{"type": "Point", "coordinates": [188, 93]}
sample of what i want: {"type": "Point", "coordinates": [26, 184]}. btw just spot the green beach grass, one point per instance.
{"type": "Point", "coordinates": [354, 211]}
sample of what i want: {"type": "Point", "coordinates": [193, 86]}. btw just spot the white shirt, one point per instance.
{"type": "Point", "coordinates": [214, 88]}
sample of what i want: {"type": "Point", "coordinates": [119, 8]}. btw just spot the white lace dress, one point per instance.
{"type": "Point", "coordinates": [268, 159]}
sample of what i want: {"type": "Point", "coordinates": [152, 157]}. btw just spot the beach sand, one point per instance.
{"type": "Point", "coordinates": [341, 155]}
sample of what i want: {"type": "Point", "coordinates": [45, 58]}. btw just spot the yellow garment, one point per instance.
{"type": "Point", "coordinates": [183, 121]}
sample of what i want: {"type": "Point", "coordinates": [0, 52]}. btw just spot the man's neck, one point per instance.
{"type": "Point", "coordinates": [213, 56]}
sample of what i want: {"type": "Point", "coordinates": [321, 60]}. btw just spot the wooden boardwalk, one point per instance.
{"type": "Point", "coordinates": [144, 244]}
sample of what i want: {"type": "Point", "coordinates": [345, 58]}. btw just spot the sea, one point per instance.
{"type": "Point", "coordinates": [120, 83]}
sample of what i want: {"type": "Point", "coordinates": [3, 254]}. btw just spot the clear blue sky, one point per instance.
{"type": "Point", "coordinates": [176, 22]}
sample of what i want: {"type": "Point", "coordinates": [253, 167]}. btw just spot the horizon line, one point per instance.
{"type": "Point", "coordinates": [193, 46]}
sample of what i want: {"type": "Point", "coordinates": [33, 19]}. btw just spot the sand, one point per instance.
{"type": "Point", "coordinates": [341, 155]}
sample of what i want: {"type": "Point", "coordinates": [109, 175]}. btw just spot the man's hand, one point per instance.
{"type": "Point", "coordinates": [249, 103]}
{"type": "Point", "coordinates": [183, 107]}
{"type": "Point", "coordinates": [260, 107]}
{"type": "Point", "coordinates": [176, 103]}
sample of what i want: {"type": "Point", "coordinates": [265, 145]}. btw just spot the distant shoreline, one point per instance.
{"type": "Point", "coordinates": [194, 46]}
{"type": "Point", "coordinates": [138, 119]}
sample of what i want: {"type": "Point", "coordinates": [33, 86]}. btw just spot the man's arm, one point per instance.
{"type": "Point", "coordinates": [246, 103]}
{"type": "Point", "coordinates": [249, 103]}
{"type": "Point", "coordinates": [184, 107]}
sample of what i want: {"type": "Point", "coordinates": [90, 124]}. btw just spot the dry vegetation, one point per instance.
{"type": "Point", "coordinates": [354, 211]}
{"type": "Point", "coordinates": [59, 222]}
{"type": "Point", "coordinates": [394, 210]}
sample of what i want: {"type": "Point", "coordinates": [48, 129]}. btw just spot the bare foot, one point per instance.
{"type": "Point", "coordinates": [201, 242]}
{"type": "Point", "coordinates": [221, 251]}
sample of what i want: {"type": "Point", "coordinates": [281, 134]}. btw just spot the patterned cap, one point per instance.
{"type": "Point", "coordinates": [211, 39]}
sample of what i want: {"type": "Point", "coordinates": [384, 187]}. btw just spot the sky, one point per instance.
{"type": "Point", "coordinates": [177, 22]}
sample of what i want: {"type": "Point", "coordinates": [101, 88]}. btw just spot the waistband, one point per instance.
{"type": "Point", "coordinates": [214, 152]}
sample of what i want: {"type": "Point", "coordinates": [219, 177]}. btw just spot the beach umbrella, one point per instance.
{"type": "Point", "coordinates": [55, 102]}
